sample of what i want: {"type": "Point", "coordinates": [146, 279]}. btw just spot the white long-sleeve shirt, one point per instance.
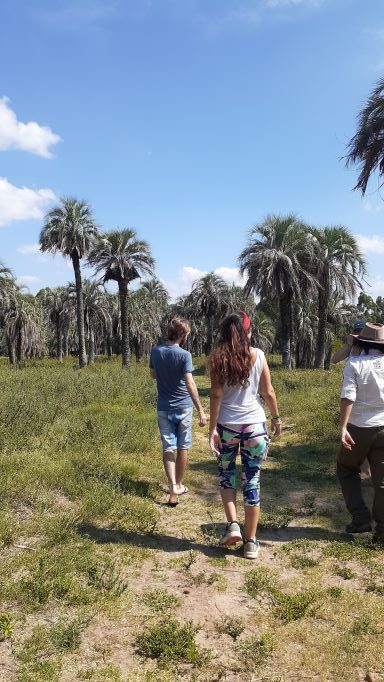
{"type": "Point", "coordinates": [364, 385]}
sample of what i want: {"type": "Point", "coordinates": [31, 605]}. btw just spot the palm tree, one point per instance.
{"type": "Point", "coordinates": [339, 266]}
{"type": "Point", "coordinates": [23, 325]}
{"type": "Point", "coordinates": [278, 263]}
{"type": "Point", "coordinates": [8, 294]}
{"type": "Point", "coordinates": [70, 229]}
{"type": "Point", "coordinates": [366, 147]}
{"type": "Point", "coordinates": [55, 302]}
{"type": "Point", "coordinates": [121, 257]}
{"type": "Point", "coordinates": [95, 312]}
{"type": "Point", "coordinates": [210, 297]}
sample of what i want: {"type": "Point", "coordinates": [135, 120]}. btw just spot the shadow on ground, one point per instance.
{"type": "Point", "coordinates": [171, 544]}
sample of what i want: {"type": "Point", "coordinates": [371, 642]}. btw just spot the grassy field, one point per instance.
{"type": "Point", "coordinates": [101, 581]}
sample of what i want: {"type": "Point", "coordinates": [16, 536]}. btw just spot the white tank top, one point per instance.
{"type": "Point", "coordinates": [242, 405]}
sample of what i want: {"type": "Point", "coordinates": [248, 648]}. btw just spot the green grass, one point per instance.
{"type": "Point", "coordinates": [99, 578]}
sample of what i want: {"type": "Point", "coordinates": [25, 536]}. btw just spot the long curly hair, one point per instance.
{"type": "Point", "coordinates": [230, 361]}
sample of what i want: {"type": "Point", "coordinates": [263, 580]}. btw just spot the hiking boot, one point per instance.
{"type": "Point", "coordinates": [251, 549]}
{"type": "Point", "coordinates": [358, 527]}
{"type": "Point", "coordinates": [232, 534]}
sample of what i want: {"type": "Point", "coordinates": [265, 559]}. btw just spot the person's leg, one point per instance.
{"type": "Point", "coordinates": [181, 466]}
{"type": "Point", "coordinates": [254, 449]}
{"type": "Point", "coordinates": [376, 459]}
{"type": "Point", "coordinates": [168, 438]}
{"type": "Point", "coordinates": [183, 423]}
{"type": "Point", "coordinates": [227, 481]}
{"type": "Point", "coordinates": [348, 473]}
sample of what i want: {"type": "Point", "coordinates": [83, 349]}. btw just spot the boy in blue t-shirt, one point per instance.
{"type": "Point", "coordinates": [172, 368]}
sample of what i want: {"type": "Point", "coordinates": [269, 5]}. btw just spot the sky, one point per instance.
{"type": "Point", "coordinates": [186, 120]}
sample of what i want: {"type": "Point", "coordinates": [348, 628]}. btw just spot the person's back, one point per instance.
{"type": "Point", "coordinates": [242, 404]}
{"type": "Point", "coordinates": [172, 368]}
{"type": "Point", "coordinates": [171, 363]}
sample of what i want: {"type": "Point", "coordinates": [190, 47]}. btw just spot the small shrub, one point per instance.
{"type": "Point", "coordinates": [343, 572]}
{"type": "Point", "coordinates": [254, 651]}
{"type": "Point", "coordinates": [230, 626]}
{"type": "Point", "coordinates": [6, 626]}
{"type": "Point", "coordinates": [66, 636]}
{"type": "Point", "coordinates": [170, 641]}
{"type": "Point", "coordinates": [300, 561]}
{"type": "Point", "coordinates": [260, 581]}
{"type": "Point", "coordinates": [335, 592]}
{"type": "Point", "coordinates": [160, 600]}
{"type": "Point", "coordinates": [362, 626]}
{"type": "Point", "coordinates": [294, 606]}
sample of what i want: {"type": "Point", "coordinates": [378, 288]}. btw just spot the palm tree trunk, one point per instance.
{"type": "Point", "coordinates": [209, 342]}
{"type": "Point", "coordinates": [59, 341]}
{"type": "Point", "coordinates": [123, 297]}
{"type": "Point", "coordinates": [79, 310]}
{"type": "Point", "coordinates": [19, 346]}
{"type": "Point", "coordinates": [11, 351]}
{"type": "Point", "coordinates": [285, 321]}
{"type": "Point", "coordinates": [323, 303]}
{"type": "Point", "coordinates": [65, 343]}
{"type": "Point", "coordinates": [91, 345]}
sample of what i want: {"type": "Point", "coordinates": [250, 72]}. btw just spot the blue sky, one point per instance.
{"type": "Point", "coordinates": [188, 120]}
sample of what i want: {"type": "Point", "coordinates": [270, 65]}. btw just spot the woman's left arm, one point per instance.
{"type": "Point", "coordinates": [345, 412]}
{"type": "Point", "coordinates": [216, 396]}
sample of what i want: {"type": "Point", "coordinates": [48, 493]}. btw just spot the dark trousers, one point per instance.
{"type": "Point", "coordinates": [369, 443]}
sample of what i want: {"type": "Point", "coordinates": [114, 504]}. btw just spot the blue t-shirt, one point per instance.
{"type": "Point", "coordinates": [171, 363]}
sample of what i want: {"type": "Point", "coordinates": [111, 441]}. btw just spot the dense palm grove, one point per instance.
{"type": "Point", "coordinates": [300, 282]}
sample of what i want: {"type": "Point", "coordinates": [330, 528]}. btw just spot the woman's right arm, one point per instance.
{"type": "Point", "coordinates": [216, 396]}
{"type": "Point", "coordinates": [268, 394]}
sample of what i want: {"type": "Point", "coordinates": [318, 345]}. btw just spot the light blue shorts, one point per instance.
{"type": "Point", "coordinates": [175, 428]}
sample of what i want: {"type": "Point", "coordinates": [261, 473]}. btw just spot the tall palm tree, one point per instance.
{"type": "Point", "coordinates": [210, 297]}
{"type": "Point", "coordinates": [8, 295]}
{"type": "Point", "coordinates": [96, 312]}
{"type": "Point", "coordinates": [23, 325]}
{"type": "Point", "coordinates": [366, 147]}
{"type": "Point", "coordinates": [55, 302]}
{"type": "Point", "coordinates": [70, 229]}
{"type": "Point", "coordinates": [339, 266]}
{"type": "Point", "coordinates": [121, 257]}
{"type": "Point", "coordinates": [278, 264]}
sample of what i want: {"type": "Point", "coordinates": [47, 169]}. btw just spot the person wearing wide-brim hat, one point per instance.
{"type": "Point", "coordinates": [362, 429]}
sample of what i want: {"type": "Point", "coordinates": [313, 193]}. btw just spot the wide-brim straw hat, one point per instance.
{"type": "Point", "coordinates": [372, 332]}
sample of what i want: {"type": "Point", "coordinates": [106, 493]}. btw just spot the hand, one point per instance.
{"type": "Point", "coordinates": [346, 439]}
{"type": "Point", "coordinates": [276, 425]}
{"type": "Point", "coordinates": [202, 418]}
{"type": "Point", "coordinates": [215, 442]}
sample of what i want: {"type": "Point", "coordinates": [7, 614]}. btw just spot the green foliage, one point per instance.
{"type": "Point", "coordinates": [6, 626]}
{"type": "Point", "coordinates": [160, 600]}
{"type": "Point", "coordinates": [260, 581]}
{"type": "Point", "coordinates": [231, 626]}
{"type": "Point", "coordinates": [343, 571]}
{"type": "Point", "coordinates": [170, 641]}
{"type": "Point", "coordinates": [294, 606]}
{"type": "Point", "coordinates": [276, 518]}
{"type": "Point", "coordinates": [255, 651]}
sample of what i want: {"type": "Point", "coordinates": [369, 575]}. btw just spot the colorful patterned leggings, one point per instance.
{"type": "Point", "coordinates": [253, 440]}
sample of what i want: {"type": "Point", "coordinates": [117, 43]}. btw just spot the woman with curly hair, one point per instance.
{"type": "Point", "coordinates": [240, 377]}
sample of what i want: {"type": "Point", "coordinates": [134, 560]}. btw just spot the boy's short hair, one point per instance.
{"type": "Point", "coordinates": [178, 328]}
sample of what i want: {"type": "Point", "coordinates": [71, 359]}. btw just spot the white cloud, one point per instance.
{"type": "Point", "coordinates": [30, 137]}
{"type": "Point", "coordinates": [22, 203]}
{"type": "Point", "coordinates": [372, 244]}
{"type": "Point", "coordinates": [28, 279]}
{"type": "Point", "coordinates": [372, 207]}
{"type": "Point", "coordinates": [187, 275]}
{"type": "Point", "coordinates": [26, 249]}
